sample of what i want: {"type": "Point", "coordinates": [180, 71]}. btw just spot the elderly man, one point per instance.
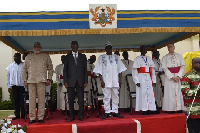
{"type": "Point", "coordinates": [173, 66]}
{"type": "Point", "coordinates": [60, 85]}
{"type": "Point", "coordinates": [144, 78]}
{"type": "Point", "coordinates": [15, 81]}
{"type": "Point", "coordinates": [35, 68]}
{"type": "Point", "coordinates": [110, 68]}
{"type": "Point", "coordinates": [75, 78]}
{"type": "Point", "coordinates": [190, 82]}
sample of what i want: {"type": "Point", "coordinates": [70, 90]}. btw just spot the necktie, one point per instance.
{"type": "Point", "coordinates": [75, 57]}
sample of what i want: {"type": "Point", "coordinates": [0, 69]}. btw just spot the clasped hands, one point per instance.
{"type": "Point", "coordinates": [175, 79]}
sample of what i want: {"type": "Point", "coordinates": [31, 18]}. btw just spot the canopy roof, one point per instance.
{"type": "Point", "coordinates": [56, 30]}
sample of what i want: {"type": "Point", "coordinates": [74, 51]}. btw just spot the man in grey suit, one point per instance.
{"type": "Point", "coordinates": [75, 77]}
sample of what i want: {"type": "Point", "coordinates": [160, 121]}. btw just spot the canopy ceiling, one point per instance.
{"type": "Point", "coordinates": [56, 30]}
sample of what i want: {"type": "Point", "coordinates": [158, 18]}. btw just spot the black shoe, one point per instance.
{"type": "Point", "coordinates": [32, 121]}
{"type": "Point", "coordinates": [144, 112]}
{"type": "Point", "coordinates": [149, 112]}
{"type": "Point", "coordinates": [81, 118]}
{"type": "Point", "coordinates": [15, 118]}
{"type": "Point", "coordinates": [180, 111]}
{"type": "Point", "coordinates": [41, 121]}
{"type": "Point", "coordinates": [106, 115]}
{"type": "Point", "coordinates": [171, 112]}
{"type": "Point", "coordinates": [71, 119]}
{"type": "Point", "coordinates": [117, 115]}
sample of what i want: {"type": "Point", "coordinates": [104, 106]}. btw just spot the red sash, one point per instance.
{"type": "Point", "coordinates": [174, 69]}
{"type": "Point", "coordinates": [142, 70]}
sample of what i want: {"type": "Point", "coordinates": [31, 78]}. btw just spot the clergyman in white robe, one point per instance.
{"type": "Point", "coordinates": [158, 88]}
{"type": "Point", "coordinates": [90, 68]}
{"type": "Point", "coordinates": [109, 66]}
{"type": "Point", "coordinates": [124, 101]}
{"type": "Point", "coordinates": [60, 87]}
{"type": "Point", "coordinates": [142, 67]}
{"type": "Point", "coordinates": [173, 66]}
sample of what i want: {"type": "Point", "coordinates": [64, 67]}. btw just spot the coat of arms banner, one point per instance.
{"type": "Point", "coordinates": [102, 16]}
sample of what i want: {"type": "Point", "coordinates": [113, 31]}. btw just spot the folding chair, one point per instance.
{"type": "Point", "coordinates": [48, 101]}
{"type": "Point", "coordinates": [131, 87]}
{"type": "Point", "coordinates": [98, 93]}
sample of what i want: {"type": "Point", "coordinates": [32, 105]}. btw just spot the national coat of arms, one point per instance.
{"type": "Point", "coordinates": [103, 16]}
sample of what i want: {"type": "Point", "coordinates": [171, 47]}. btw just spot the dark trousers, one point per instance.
{"type": "Point", "coordinates": [71, 96]}
{"type": "Point", "coordinates": [18, 95]}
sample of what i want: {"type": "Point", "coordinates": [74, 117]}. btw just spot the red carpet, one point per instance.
{"type": "Point", "coordinates": [158, 123]}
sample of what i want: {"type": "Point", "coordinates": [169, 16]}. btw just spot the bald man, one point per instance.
{"type": "Point", "coordinates": [143, 73]}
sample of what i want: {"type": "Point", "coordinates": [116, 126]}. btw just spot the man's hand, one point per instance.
{"type": "Point", "coordinates": [66, 85]}
{"type": "Point", "coordinates": [48, 82]}
{"type": "Point", "coordinates": [120, 83]}
{"type": "Point", "coordinates": [85, 84]}
{"type": "Point", "coordinates": [138, 84]}
{"type": "Point", "coordinates": [9, 90]}
{"type": "Point", "coordinates": [25, 84]}
{"type": "Point", "coordinates": [102, 84]}
{"type": "Point", "coordinates": [176, 79]}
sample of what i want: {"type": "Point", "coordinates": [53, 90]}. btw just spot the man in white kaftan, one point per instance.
{"type": "Point", "coordinates": [60, 86]}
{"type": "Point", "coordinates": [159, 73]}
{"type": "Point", "coordinates": [173, 66]}
{"type": "Point", "coordinates": [109, 67]}
{"type": "Point", "coordinates": [144, 76]}
{"type": "Point", "coordinates": [124, 93]}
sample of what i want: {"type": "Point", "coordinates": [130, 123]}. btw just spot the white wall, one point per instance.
{"type": "Point", "coordinates": [6, 57]}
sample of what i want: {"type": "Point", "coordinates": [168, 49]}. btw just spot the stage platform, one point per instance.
{"type": "Point", "coordinates": [136, 123]}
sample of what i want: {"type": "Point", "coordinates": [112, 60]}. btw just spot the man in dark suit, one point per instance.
{"type": "Point", "coordinates": [75, 77]}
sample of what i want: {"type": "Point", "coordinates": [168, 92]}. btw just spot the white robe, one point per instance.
{"type": "Point", "coordinates": [158, 89]}
{"type": "Point", "coordinates": [173, 98]}
{"type": "Point", "coordinates": [90, 68]}
{"type": "Point", "coordinates": [145, 99]}
{"type": "Point", "coordinates": [109, 66]}
{"type": "Point", "coordinates": [124, 101]}
{"type": "Point", "coordinates": [60, 89]}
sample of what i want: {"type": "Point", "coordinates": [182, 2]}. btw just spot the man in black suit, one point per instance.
{"type": "Point", "coordinates": [75, 77]}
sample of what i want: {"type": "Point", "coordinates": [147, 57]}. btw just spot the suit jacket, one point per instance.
{"type": "Point", "coordinates": [73, 72]}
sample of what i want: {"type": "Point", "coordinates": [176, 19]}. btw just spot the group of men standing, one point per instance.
{"type": "Point", "coordinates": [73, 74]}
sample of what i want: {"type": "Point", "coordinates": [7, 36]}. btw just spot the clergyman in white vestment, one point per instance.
{"type": "Point", "coordinates": [124, 101]}
{"type": "Point", "coordinates": [173, 66]}
{"type": "Point", "coordinates": [60, 86]}
{"type": "Point", "coordinates": [144, 76]}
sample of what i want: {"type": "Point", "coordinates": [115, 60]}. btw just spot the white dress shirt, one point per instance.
{"type": "Point", "coordinates": [14, 76]}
